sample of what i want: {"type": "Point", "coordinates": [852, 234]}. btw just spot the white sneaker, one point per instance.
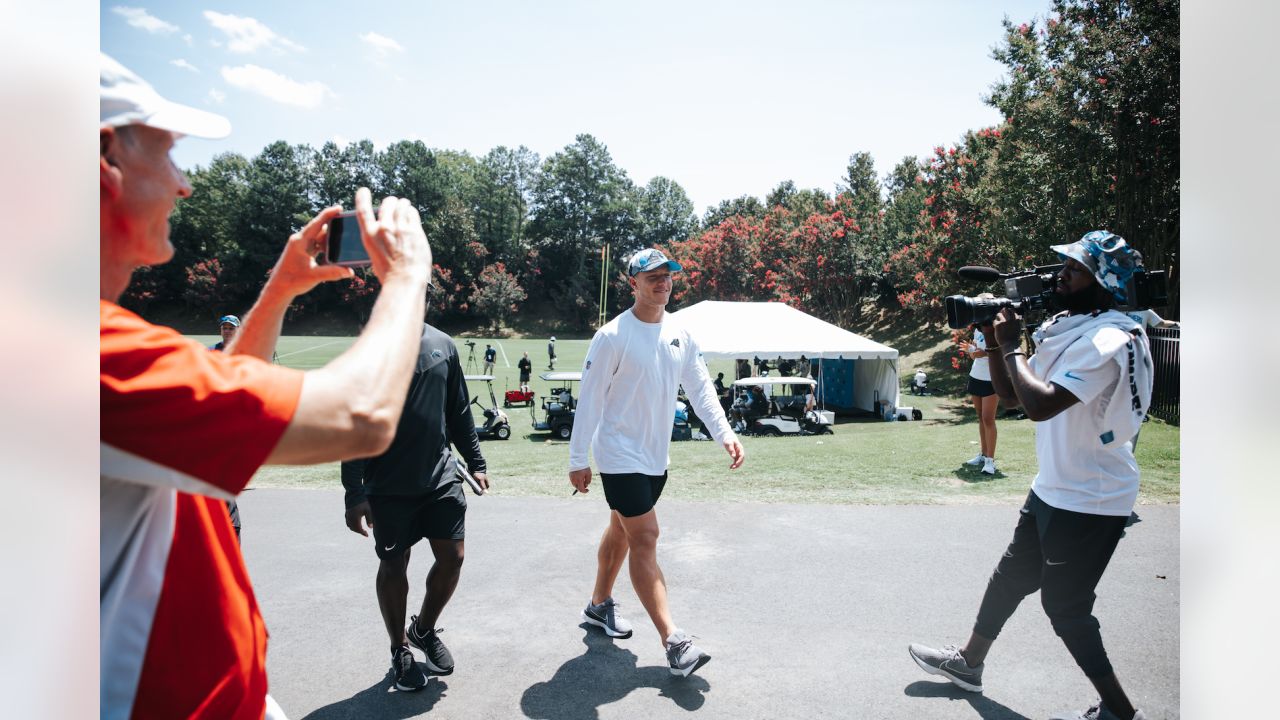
{"type": "Point", "coordinates": [989, 466]}
{"type": "Point", "coordinates": [977, 460]}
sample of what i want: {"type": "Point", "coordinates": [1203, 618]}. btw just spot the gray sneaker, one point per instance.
{"type": "Point", "coordinates": [949, 663]}
{"type": "Point", "coordinates": [683, 656]}
{"type": "Point", "coordinates": [605, 616]}
{"type": "Point", "coordinates": [1097, 712]}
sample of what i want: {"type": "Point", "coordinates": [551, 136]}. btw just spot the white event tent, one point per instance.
{"type": "Point", "coordinates": [768, 330]}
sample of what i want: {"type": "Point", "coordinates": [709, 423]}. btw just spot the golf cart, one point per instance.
{"type": "Point", "coordinates": [771, 406]}
{"type": "Point", "coordinates": [558, 407]}
{"type": "Point", "coordinates": [496, 426]}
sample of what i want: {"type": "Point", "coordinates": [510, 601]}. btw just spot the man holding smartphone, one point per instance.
{"type": "Point", "coordinates": [411, 492]}
{"type": "Point", "coordinates": [634, 366]}
{"type": "Point", "coordinates": [171, 575]}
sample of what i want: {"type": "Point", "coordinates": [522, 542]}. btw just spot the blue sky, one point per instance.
{"type": "Point", "coordinates": [725, 98]}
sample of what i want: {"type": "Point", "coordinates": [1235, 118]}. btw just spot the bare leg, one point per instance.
{"type": "Point", "coordinates": [982, 429]}
{"type": "Point", "coordinates": [609, 558]}
{"type": "Point", "coordinates": [1113, 696]}
{"type": "Point", "coordinates": [975, 651]}
{"type": "Point", "coordinates": [393, 594]}
{"type": "Point", "coordinates": [442, 580]}
{"type": "Point", "coordinates": [646, 576]}
{"type": "Point", "coordinates": [987, 423]}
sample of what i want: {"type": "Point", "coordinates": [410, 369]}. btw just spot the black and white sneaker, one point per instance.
{"type": "Point", "coordinates": [438, 658]}
{"type": "Point", "coordinates": [949, 663]}
{"type": "Point", "coordinates": [605, 616]}
{"type": "Point", "coordinates": [409, 676]}
{"type": "Point", "coordinates": [683, 657]}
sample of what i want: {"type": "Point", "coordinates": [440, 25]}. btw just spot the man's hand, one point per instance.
{"type": "Point", "coordinates": [580, 479]}
{"type": "Point", "coordinates": [296, 271]}
{"type": "Point", "coordinates": [395, 240]}
{"type": "Point", "coordinates": [1007, 329]}
{"type": "Point", "coordinates": [736, 451]}
{"type": "Point", "coordinates": [355, 513]}
{"type": "Point", "coordinates": [482, 479]}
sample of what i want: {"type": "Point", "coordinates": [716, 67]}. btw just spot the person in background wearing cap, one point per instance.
{"type": "Point", "coordinates": [1087, 387]}
{"type": "Point", "coordinates": [181, 634]}
{"type": "Point", "coordinates": [227, 326]}
{"type": "Point", "coordinates": [490, 357]}
{"type": "Point", "coordinates": [551, 353]}
{"type": "Point", "coordinates": [634, 367]}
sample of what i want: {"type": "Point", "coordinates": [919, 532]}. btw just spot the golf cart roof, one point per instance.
{"type": "Point", "coordinates": [562, 376]}
{"type": "Point", "coordinates": [748, 381]}
{"type": "Point", "coordinates": [486, 378]}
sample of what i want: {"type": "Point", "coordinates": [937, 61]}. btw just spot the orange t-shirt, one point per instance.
{"type": "Point", "coordinates": [182, 429]}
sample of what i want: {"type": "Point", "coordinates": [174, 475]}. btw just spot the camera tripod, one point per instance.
{"type": "Point", "coordinates": [471, 357]}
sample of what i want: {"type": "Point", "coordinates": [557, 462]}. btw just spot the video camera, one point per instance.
{"type": "Point", "coordinates": [1032, 294]}
{"type": "Point", "coordinates": [471, 343]}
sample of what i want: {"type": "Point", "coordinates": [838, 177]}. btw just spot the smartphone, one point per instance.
{"type": "Point", "coordinates": [345, 246]}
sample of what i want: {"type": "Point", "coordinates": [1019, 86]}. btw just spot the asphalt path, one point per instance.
{"type": "Point", "coordinates": [806, 610]}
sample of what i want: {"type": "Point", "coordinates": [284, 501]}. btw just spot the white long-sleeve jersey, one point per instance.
{"type": "Point", "coordinates": [628, 398]}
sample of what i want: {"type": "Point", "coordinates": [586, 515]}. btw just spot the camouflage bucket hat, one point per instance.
{"type": "Point", "coordinates": [1111, 260]}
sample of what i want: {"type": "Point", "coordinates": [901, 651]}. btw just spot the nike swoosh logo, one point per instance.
{"type": "Point", "coordinates": [389, 548]}
{"type": "Point", "coordinates": [1072, 376]}
{"type": "Point", "coordinates": [1050, 562]}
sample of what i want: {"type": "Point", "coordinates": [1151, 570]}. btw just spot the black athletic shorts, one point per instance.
{"type": "Point", "coordinates": [981, 388]}
{"type": "Point", "coordinates": [399, 521]}
{"type": "Point", "coordinates": [632, 494]}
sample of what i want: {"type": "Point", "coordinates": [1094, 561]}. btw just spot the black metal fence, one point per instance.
{"type": "Point", "coordinates": [1164, 355]}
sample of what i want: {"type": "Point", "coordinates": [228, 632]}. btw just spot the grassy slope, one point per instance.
{"type": "Point", "coordinates": [863, 462]}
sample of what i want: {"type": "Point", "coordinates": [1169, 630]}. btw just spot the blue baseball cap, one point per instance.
{"type": "Point", "coordinates": [231, 320]}
{"type": "Point", "coordinates": [650, 259]}
{"type": "Point", "coordinates": [1111, 260]}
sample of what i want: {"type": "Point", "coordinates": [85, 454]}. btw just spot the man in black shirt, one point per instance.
{"type": "Point", "coordinates": [525, 367]}
{"type": "Point", "coordinates": [412, 491]}
{"type": "Point", "coordinates": [490, 356]}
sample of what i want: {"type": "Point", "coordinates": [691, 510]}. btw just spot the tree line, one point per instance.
{"type": "Point", "coordinates": [1089, 140]}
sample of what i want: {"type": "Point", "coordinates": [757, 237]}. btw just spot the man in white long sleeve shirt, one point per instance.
{"type": "Point", "coordinates": [629, 380]}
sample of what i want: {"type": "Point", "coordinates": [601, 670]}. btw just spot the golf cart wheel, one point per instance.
{"type": "Point", "coordinates": [564, 431]}
{"type": "Point", "coordinates": [503, 432]}
{"type": "Point", "coordinates": [770, 430]}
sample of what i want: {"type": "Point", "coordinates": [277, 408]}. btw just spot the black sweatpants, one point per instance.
{"type": "Point", "coordinates": [1063, 555]}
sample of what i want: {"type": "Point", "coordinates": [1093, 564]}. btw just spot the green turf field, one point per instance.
{"type": "Point", "coordinates": [865, 461]}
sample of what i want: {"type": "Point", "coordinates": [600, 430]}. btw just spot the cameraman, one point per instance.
{"type": "Point", "coordinates": [1088, 385]}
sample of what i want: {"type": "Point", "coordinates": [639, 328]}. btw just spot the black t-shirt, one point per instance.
{"type": "Point", "coordinates": [525, 367]}
{"type": "Point", "coordinates": [436, 414]}
{"type": "Point", "coordinates": [490, 355]}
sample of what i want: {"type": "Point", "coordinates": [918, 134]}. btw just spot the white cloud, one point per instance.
{"type": "Point", "coordinates": [381, 43]}
{"type": "Point", "coordinates": [216, 96]}
{"type": "Point", "coordinates": [277, 87]}
{"type": "Point", "coordinates": [190, 41]}
{"type": "Point", "coordinates": [180, 62]}
{"type": "Point", "coordinates": [247, 35]}
{"type": "Point", "coordinates": [340, 140]}
{"type": "Point", "coordinates": [141, 19]}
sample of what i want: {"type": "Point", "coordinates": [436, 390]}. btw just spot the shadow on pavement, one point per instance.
{"type": "Point", "coordinates": [381, 700]}
{"type": "Point", "coordinates": [986, 708]}
{"type": "Point", "coordinates": [604, 674]}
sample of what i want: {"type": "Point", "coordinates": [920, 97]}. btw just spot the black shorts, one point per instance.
{"type": "Point", "coordinates": [632, 494]}
{"type": "Point", "coordinates": [981, 388]}
{"type": "Point", "coordinates": [399, 521]}
{"type": "Point", "coordinates": [524, 377]}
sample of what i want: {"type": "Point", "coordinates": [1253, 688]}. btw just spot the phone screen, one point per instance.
{"type": "Point", "coordinates": [345, 246]}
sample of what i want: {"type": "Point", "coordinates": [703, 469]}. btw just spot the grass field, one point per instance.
{"type": "Point", "coordinates": [864, 462]}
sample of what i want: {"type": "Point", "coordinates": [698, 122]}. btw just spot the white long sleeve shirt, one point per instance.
{"type": "Point", "coordinates": [627, 402]}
